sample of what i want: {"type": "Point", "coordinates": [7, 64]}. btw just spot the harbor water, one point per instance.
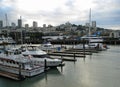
{"type": "Point", "coordinates": [97, 70]}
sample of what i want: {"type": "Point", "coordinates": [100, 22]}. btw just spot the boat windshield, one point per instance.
{"type": "Point", "coordinates": [30, 48]}
{"type": "Point", "coordinates": [41, 56]}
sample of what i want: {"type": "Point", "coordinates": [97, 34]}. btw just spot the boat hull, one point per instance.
{"type": "Point", "coordinates": [26, 73]}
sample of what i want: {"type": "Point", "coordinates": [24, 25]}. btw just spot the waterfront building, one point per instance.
{"type": "Point", "coordinates": [114, 34]}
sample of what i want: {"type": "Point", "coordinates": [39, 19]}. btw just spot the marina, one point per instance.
{"type": "Point", "coordinates": [96, 70]}
{"type": "Point", "coordinates": [59, 43]}
{"type": "Point", "coordinates": [33, 55]}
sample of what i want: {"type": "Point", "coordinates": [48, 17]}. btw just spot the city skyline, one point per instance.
{"type": "Point", "coordinates": [55, 12]}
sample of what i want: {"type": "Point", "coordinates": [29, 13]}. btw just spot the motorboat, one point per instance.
{"type": "Point", "coordinates": [47, 46]}
{"type": "Point", "coordinates": [39, 55]}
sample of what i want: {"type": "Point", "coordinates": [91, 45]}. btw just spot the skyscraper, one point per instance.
{"type": "Point", "coordinates": [1, 23]}
{"type": "Point", "coordinates": [35, 24]}
{"type": "Point", "coordinates": [19, 22]}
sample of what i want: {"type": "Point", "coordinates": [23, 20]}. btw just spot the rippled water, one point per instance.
{"type": "Point", "coordinates": [99, 70]}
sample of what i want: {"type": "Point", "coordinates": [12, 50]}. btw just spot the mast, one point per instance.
{"type": "Point", "coordinates": [89, 22]}
{"type": "Point", "coordinates": [89, 26]}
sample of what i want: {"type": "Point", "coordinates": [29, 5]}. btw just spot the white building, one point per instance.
{"type": "Point", "coordinates": [115, 34]}
{"type": "Point", "coordinates": [93, 24]}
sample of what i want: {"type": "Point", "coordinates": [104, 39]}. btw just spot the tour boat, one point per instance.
{"type": "Point", "coordinates": [15, 63]}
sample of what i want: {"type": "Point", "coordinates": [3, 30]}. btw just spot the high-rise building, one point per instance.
{"type": "Point", "coordinates": [1, 23]}
{"type": "Point", "coordinates": [35, 24]}
{"type": "Point", "coordinates": [19, 23]}
{"type": "Point", "coordinates": [93, 24]}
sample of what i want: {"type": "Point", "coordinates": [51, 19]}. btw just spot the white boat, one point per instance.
{"type": "Point", "coordinates": [14, 63]}
{"type": "Point", "coordinates": [93, 43]}
{"type": "Point", "coordinates": [40, 56]}
{"type": "Point", "coordinates": [47, 46]}
{"type": "Point", "coordinates": [7, 40]}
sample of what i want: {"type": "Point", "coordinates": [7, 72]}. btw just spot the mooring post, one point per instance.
{"type": "Point", "coordinates": [74, 56]}
{"type": "Point", "coordinates": [84, 47]}
{"type": "Point", "coordinates": [45, 65]}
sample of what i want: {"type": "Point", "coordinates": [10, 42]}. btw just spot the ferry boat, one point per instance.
{"type": "Point", "coordinates": [14, 63]}
{"type": "Point", "coordinates": [40, 56]}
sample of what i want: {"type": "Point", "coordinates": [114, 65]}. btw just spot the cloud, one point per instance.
{"type": "Point", "coordinates": [55, 12]}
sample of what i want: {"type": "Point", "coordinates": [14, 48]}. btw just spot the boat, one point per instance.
{"type": "Point", "coordinates": [6, 40]}
{"type": "Point", "coordinates": [94, 42]}
{"type": "Point", "coordinates": [40, 56]}
{"type": "Point", "coordinates": [15, 63]}
{"type": "Point", "coordinates": [47, 46]}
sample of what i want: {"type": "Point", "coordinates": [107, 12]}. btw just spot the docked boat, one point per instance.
{"type": "Point", "coordinates": [47, 46]}
{"type": "Point", "coordinates": [40, 56]}
{"type": "Point", "coordinates": [7, 40]}
{"type": "Point", "coordinates": [15, 63]}
{"type": "Point", "coordinates": [93, 43]}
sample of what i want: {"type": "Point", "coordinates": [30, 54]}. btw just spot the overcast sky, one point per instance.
{"type": "Point", "coordinates": [55, 12]}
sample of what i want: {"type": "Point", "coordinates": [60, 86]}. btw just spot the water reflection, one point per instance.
{"type": "Point", "coordinates": [41, 79]}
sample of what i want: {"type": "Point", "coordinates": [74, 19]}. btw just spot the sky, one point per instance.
{"type": "Point", "coordinates": [106, 13]}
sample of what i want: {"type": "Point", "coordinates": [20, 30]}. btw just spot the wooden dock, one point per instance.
{"type": "Point", "coordinates": [11, 76]}
{"type": "Point", "coordinates": [81, 50]}
{"type": "Point", "coordinates": [65, 55]}
{"type": "Point", "coordinates": [73, 52]}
